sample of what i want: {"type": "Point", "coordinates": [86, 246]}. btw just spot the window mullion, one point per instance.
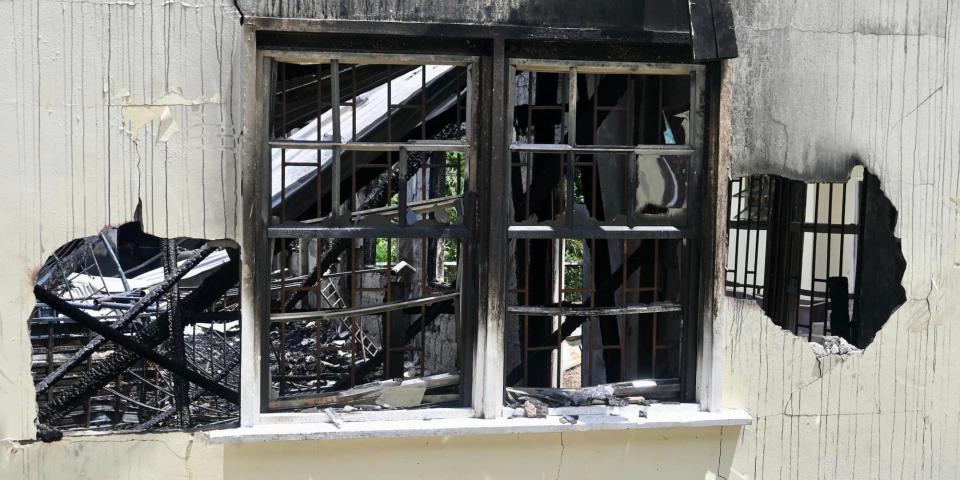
{"type": "Point", "coordinates": [494, 315]}
{"type": "Point", "coordinates": [254, 379]}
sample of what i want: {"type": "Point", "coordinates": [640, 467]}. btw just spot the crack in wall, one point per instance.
{"type": "Point", "coordinates": [866, 33]}
{"type": "Point", "coordinates": [563, 449]}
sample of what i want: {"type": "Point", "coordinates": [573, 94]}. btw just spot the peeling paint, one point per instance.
{"type": "Point", "coordinates": [140, 115]}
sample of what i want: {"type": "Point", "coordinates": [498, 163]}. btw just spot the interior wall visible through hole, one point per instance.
{"type": "Point", "coordinates": [820, 258]}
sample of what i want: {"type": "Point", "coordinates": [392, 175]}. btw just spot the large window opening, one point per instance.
{"type": "Point", "coordinates": [375, 222]}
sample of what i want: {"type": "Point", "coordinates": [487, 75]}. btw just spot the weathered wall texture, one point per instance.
{"type": "Point", "coordinates": [686, 453]}
{"type": "Point", "coordinates": [820, 84]}
{"type": "Point", "coordinates": [107, 103]}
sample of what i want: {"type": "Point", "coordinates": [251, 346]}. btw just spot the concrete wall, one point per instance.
{"type": "Point", "coordinates": [107, 103]}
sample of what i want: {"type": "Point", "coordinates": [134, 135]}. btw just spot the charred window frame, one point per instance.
{"type": "Point", "coordinates": [637, 229]}
{"type": "Point", "coordinates": [491, 144]}
{"type": "Point", "coordinates": [364, 229]}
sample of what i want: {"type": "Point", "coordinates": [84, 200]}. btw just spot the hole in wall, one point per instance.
{"type": "Point", "coordinates": [821, 259]}
{"type": "Point", "coordinates": [177, 298]}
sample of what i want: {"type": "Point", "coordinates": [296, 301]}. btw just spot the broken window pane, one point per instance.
{"type": "Point", "coordinates": [540, 108]}
{"type": "Point", "coordinates": [369, 187]}
{"type": "Point", "coordinates": [619, 109]}
{"type": "Point", "coordinates": [378, 103]}
{"type": "Point", "coordinates": [661, 184]}
{"type": "Point", "coordinates": [400, 319]}
{"type": "Point", "coordinates": [659, 188]}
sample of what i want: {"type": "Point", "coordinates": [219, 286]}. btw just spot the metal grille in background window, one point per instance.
{"type": "Point", "coordinates": [369, 173]}
{"type": "Point", "coordinates": [793, 247]}
{"type": "Point", "coordinates": [749, 211]}
{"type": "Point", "coordinates": [600, 168]}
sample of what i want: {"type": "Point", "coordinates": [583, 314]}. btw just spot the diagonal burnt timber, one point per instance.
{"type": "Point", "coordinates": [175, 347]}
{"type": "Point", "coordinates": [152, 296]}
{"type": "Point", "coordinates": [134, 346]}
{"type": "Point", "coordinates": [377, 199]}
{"type": "Point", "coordinates": [152, 335]}
{"type": "Point", "coordinates": [53, 273]}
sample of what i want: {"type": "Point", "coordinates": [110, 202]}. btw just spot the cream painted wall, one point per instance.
{"type": "Point", "coordinates": [684, 453]}
{"type": "Point", "coordinates": [110, 102]}
{"type": "Point", "coordinates": [820, 83]}
{"type": "Point", "coordinates": [106, 104]}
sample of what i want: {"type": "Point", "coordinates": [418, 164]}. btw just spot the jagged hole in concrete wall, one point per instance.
{"type": "Point", "coordinates": [178, 298]}
{"type": "Point", "coordinates": [820, 258]}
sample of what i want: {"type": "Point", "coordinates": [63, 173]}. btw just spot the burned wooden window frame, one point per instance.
{"type": "Point", "coordinates": [484, 386]}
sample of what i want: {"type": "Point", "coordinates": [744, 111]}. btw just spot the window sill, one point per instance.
{"type": "Point", "coordinates": [658, 416]}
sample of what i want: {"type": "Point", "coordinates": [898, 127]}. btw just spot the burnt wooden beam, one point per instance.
{"type": "Point", "coordinates": [152, 296]}
{"type": "Point", "coordinates": [570, 310]}
{"type": "Point", "coordinates": [134, 346]}
{"type": "Point", "coordinates": [712, 34]}
{"type": "Point", "coordinates": [152, 335]}
{"type": "Point", "coordinates": [176, 347]}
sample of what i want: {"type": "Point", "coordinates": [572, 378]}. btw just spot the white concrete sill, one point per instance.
{"type": "Point", "coordinates": [658, 416]}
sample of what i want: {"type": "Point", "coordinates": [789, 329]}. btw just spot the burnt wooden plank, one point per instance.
{"type": "Point", "coordinates": [705, 360]}
{"type": "Point", "coordinates": [726, 37]}
{"type": "Point", "coordinates": [703, 36]}
{"type": "Point", "coordinates": [133, 345]}
{"type": "Point", "coordinates": [495, 272]}
{"type": "Point", "coordinates": [660, 15]}
{"type": "Point", "coordinates": [578, 311]}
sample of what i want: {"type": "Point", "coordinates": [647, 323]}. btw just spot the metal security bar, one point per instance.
{"type": "Point", "coordinates": [371, 159]}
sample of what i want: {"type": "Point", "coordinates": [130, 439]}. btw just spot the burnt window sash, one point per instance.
{"type": "Point", "coordinates": [684, 228]}
{"type": "Point", "coordinates": [337, 221]}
